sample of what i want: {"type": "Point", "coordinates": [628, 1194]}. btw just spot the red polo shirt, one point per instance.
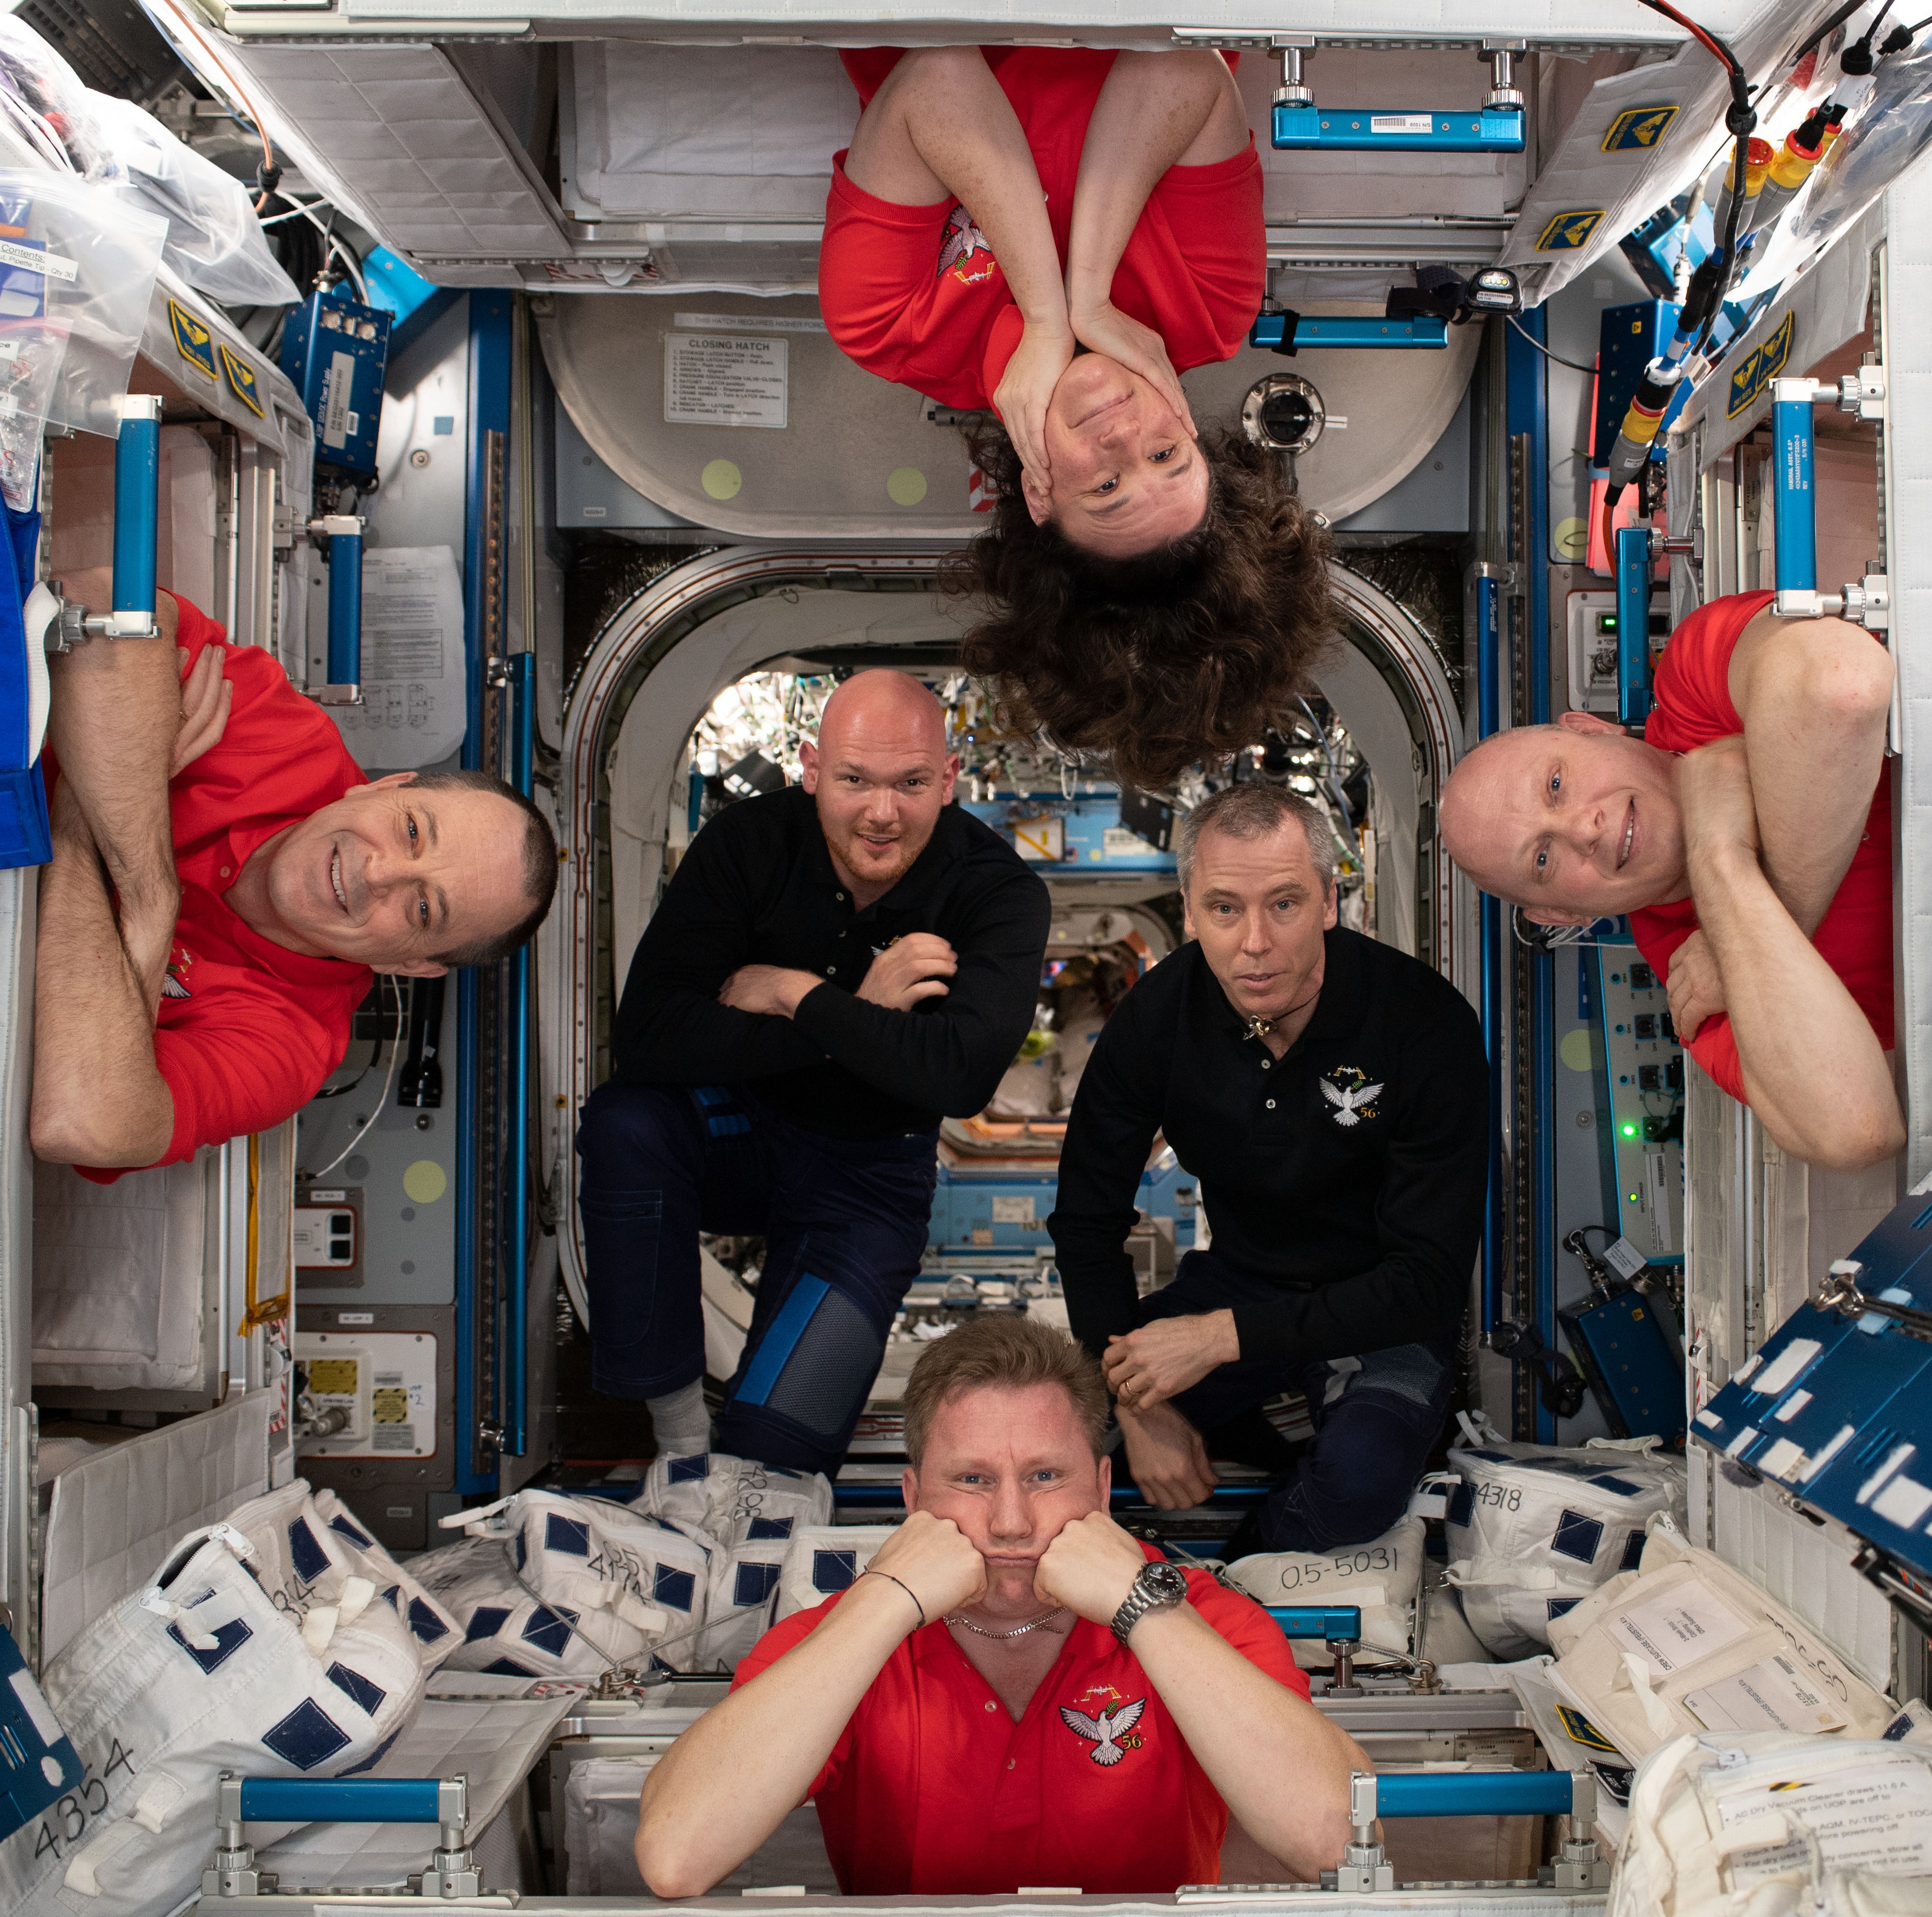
{"type": "Point", "coordinates": [248, 1030]}
{"type": "Point", "coordinates": [1693, 708]}
{"type": "Point", "coordinates": [914, 294]}
{"type": "Point", "coordinates": [933, 1790]}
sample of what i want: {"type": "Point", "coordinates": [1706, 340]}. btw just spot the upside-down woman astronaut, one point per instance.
{"type": "Point", "coordinates": [1058, 234]}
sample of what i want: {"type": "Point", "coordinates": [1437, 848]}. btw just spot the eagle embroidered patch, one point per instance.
{"type": "Point", "coordinates": [1349, 1091]}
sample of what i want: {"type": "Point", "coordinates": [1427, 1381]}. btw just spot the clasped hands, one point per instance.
{"type": "Point", "coordinates": [909, 969]}
{"type": "Point", "coordinates": [1713, 791]}
{"type": "Point", "coordinates": [1169, 1460]}
{"type": "Point", "coordinates": [1045, 351]}
{"type": "Point", "coordinates": [1090, 1566]}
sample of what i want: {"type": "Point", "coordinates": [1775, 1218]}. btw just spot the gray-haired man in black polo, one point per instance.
{"type": "Point", "coordinates": [1329, 1095]}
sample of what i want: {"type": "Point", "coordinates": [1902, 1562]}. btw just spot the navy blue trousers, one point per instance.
{"type": "Point", "coordinates": [1376, 1418]}
{"type": "Point", "coordinates": [845, 1223]}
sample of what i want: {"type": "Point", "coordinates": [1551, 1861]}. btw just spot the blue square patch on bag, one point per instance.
{"type": "Point", "coordinates": [307, 1736]}
{"type": "Point", "coordinates": [1577, 1537]}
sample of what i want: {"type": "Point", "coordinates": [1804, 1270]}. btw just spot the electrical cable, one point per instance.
{"type": "Point", "coordinates": [1575, 366]}
{"type": "Point", "coordinates": [375, 1055]}
{"type": "Point", "coordinates": [270, 173]}
{"type": "Point", "coordinates": [1832, 26]}
{"type": "Point", "coordinates": [388, 1083]}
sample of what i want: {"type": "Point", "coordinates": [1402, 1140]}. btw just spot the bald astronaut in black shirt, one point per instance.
{"type": "Point", "coordinates": [832, 968]}
{"type": "Point", "coordinates": [1329, 1094]}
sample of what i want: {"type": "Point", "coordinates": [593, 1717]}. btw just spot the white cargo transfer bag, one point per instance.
{"type": "Point", "coordinates": [1382, 1576]}
{"type": "Point", "coordinates": [754, 1511]}
{"type": "Point", "coordinates": [1686, 1644]}
{"type": "Point", "coordinates": [202, 1672]}
{"type": "Point", "coordinates": [1768, 1824]}
{"type": "Point", "coordinates": [720, 1496]}
{"type": "Point", "coordinates": [822, 1561]}
{"type": "Point", "coordinates": [1533, 1530]}
{"type": "Point", "coordinates": [310, 1549]}
{"type": "Point", "coordinates": [583, 1584]}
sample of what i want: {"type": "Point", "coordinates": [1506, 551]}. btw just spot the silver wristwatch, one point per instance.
{"type": "Point", "coordinates": [1159, 1587]}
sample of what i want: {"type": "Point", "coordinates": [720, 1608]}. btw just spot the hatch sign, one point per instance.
{"type": "Point", "coordinates": [726, 379]}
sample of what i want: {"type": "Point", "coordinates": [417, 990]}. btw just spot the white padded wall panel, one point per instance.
{"type": "Point", "coordinates": [113, 1517]}
{"type": "Point", "coordinates": [412, 151]}
{"type": "Point", "coordinates": [1906, 346]}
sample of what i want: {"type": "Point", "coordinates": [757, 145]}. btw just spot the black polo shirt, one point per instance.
{"type": "Point", "coordinates": [757, 886]}
{"type": "Point", "coordinates": [1351, 1172]}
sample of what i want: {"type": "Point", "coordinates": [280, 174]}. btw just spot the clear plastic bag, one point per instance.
{"type": "Point", "coordinates": [43, 97]}
{"type": "Point", "coordinates": [96, 258]}
{"type": "Point", "coordinates": [214, 241]}
{"type": "Point", "coordinates": [1892, 129]}
{"type": "Point", "coordinates": [33, 345]}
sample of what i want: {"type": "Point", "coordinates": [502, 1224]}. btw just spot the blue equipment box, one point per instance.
{"type": "Point", "coordinates": [1628, 1356]}
{"type": "Point", "coordinates": [336, 353]}
{"type": "Point", "coordinates": [1628, 338]}
{"type": "Point", "coordinates": [1838, 1410]}
{"type": "Point", "coordinates": [1007, 1210]}
{"type": "Point", "coordinates": [1339, 331]}
{"type": "Point", "coordinates": [1301, 128]}
{"type": "Point", "coordinates": [38, 1765]}
{"type": "Point", "coordinates": [1083, 835]}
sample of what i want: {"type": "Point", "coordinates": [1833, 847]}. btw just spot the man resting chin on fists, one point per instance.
{"type": "Point", "coordinates": [1016, 1691]}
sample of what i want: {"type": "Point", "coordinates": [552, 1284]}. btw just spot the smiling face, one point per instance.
{"type": "Point", "coordinates": [881, 775]}
{"type": "Point", "coordinates": [1259, 908]}
{"type": "Point", "coordinates": [388, 876]}
{"type": "Point", "coordinates": [1012, 1468]}
{"type": "Point", "coordinates": [1126, 474]}
{"type": "Point", "coordinates": [1572, 821]}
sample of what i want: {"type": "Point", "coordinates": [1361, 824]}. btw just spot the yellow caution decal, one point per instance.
{"type": "Point", "coordinates": [241, 382]}
{"type": "Point", "coordinates": [1637, 127]}
{"type": "Point", "coordinates": [1761, 366]}
{"type": "Point", "coordinates": [1566, 232]}
{"type": "Point", "coordinates": [192, 340]}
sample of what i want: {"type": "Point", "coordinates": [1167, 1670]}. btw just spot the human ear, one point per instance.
{"type": "Point", "coordinates": [1039, 499]}
{"type": "Point", "coordinates": [1560, 918]}
{"type": "Point", "coordinates": [418, 968]}
{"type": "Point", "coordinates": [909, 1489]}
{"type": "Point", "coordinates": [1587, 723]}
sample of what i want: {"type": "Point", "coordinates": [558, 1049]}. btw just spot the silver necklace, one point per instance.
{"type": "Point", "coordinates": [967, 1623]}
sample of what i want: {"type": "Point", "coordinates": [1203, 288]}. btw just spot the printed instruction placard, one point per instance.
{"type": "Point", "coordinates": [414, 705]}
{"type": "Point", "coordinates": [1875, 1817]}
{"type": "Point", "coordinates": [1671, 1631]}
{"type": "Point", "coordinates": [722, 379]}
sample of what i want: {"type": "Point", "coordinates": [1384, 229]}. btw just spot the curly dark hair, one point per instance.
{"type": "Point", "coordinates": [1187, 652]}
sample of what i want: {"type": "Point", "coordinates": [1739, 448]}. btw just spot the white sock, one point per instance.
{"type": "Point", "coordinates": [681, 1422]}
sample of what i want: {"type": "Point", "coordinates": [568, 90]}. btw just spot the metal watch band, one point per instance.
{"type": "Point", "coordinates": [1141, 1600]}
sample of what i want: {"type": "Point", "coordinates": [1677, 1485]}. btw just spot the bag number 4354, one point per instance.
{"type": "Point", "coordinates": [67, 1820]}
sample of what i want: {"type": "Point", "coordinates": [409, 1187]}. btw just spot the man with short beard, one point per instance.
{"type": "Point", "coordinates": [832, 968]}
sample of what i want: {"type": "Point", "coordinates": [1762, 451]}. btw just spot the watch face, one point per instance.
{"type": "Point", "coordinates": [1167, 1583]}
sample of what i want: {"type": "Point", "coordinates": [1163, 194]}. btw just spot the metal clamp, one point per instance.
{"type": "Point", "coordinates": [1363, 1866]}
{"type": "Point", "coordinates": [453, 1871]}
{"type": "Point", "coordinates": [1293, 91]}
{"type": "Point", "coordinates": [1504, 93]}
{"type": "Point", "coordinates": [1841, 1292]}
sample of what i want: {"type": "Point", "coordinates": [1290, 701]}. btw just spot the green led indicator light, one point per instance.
{"type": "Point", "coordinates": [1629, 1131]}
{"type": "Point", "coordinates": [1632, 1198]}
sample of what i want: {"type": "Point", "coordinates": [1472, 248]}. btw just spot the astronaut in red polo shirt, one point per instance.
{"type": "Point", "coordinates": [225, 878]}
{"type": "Point", "coordinates": [1058, 233]}
{"type": "Point", "coordinates": [1016, 1692]}
{"type": "Point", "coordinates": [1748, 835]}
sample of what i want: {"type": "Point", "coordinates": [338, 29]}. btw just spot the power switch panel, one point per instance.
{"type": "Point", "coordinates": [1643, 1156]}
{"type": "Point", "coordinates": [328, 1233]}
